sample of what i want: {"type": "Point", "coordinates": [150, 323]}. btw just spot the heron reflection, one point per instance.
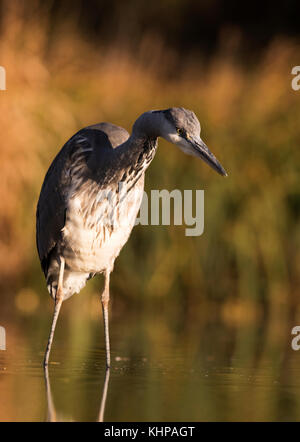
{"type": "Point", "coordinates": [53, 416]}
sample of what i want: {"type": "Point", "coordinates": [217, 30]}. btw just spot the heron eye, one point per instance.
{"type": "Point", "coordinates": [181, 132]}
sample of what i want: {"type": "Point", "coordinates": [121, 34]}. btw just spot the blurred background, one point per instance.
{"type": "Point", "coordinates": [228, 295]}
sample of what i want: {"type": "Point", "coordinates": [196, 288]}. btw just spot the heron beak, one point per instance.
{"type": "Point", "coordinates": [206, 155]}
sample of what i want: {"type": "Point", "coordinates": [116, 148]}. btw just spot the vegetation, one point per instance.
{"type": "Point", "coordinates": [247, 261]}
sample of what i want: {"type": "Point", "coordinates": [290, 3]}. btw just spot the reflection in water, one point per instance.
{"type": "Point", "coordinates": [51, 411]}
{"type": "Point", "coordinates": [219, 370]}
{"type": "Point", "coordinates": [104, 396]}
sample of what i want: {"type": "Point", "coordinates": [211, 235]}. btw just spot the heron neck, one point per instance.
{"type": "Point", "coordinates": [137, 152]}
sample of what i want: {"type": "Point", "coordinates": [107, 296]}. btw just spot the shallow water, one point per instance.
{"type": "Point", "coordinates": [210, 374]}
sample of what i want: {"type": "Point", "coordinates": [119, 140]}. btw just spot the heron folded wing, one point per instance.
{"type": "Point", "coordinates": [86, 152]}
{"type": "Point", "coordinates": [51, 209]}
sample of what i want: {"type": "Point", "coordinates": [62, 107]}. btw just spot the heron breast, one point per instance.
{"type": "Point", "coordinates": [96, 229]}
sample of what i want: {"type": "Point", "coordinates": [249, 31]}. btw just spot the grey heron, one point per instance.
{"type": "Point", "coordinates": [74, 239]}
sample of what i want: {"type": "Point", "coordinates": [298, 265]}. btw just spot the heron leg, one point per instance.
{"type": "Point", "coordinates": [58, 303]}
{"type": "Point", "coordinates": [105, 302]}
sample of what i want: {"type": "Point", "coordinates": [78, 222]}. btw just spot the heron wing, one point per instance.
{"type": "Point", "coordinates": [76, 157]}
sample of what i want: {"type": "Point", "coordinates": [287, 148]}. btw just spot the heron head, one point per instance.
{"type": "Point", "coordinates": [181, 127]}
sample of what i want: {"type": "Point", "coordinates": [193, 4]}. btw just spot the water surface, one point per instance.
{"type": "Point", "coordinates": [210, 372]}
